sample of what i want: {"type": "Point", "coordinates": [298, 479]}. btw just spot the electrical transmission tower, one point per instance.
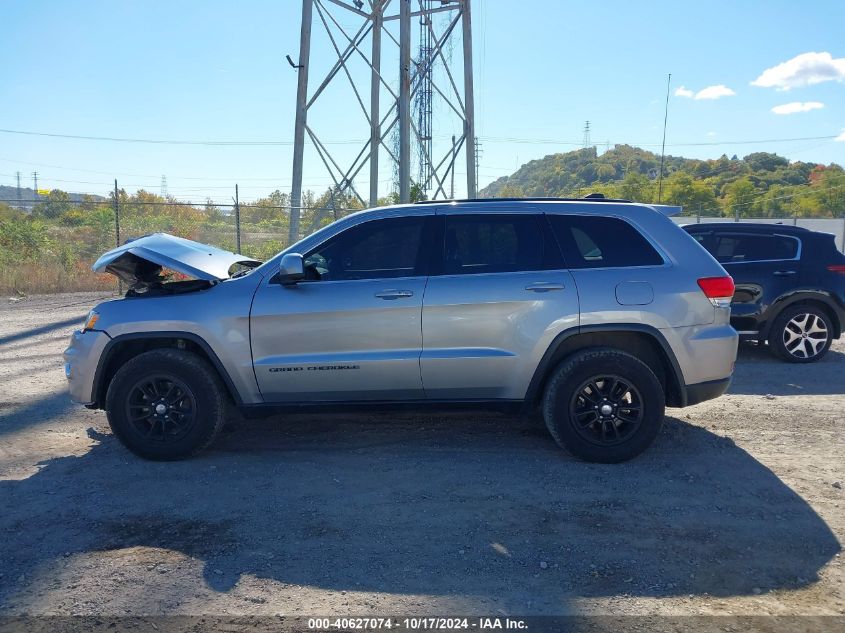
{"type": "Point", "coordinates": [19, 193]}
{"type": "Point", "coordinates": [409, 87]}
{"type": "Point", "coordinates": [164, 186]}
{"type": "Point", "coordinates": [587, 142]}
{"type": "Point", "coordinates": [422, 96]}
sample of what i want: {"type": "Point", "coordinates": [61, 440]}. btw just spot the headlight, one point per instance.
{"type": "Point", "coordinates": [90, 321]}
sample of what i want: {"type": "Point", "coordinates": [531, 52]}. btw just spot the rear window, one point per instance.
{"type": "Point", "coordinates": [602, 242]}
{"type": "Point", "coordinates": [751, 247]}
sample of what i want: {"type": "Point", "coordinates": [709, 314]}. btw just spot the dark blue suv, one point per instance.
{"type": "Point", "coordinates": [790, 284]}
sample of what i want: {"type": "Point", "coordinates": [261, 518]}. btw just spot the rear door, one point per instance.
{"type": "Point", "coordinates": [499, 296]}
{"type": "Point", "coordinates": [764, 267]}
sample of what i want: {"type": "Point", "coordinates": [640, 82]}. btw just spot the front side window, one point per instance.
{"type": "Point", "coordinates": [591, 241]}
{"type": "Point", "coordinates": [749, 247]}
{"type": "Point", "coordinates": [379, 249]}
{"type": "Point", "coordinates": [492, 243]}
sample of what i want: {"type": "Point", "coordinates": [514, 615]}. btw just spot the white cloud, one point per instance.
{"type": "Point", "coordinates": [804, 70]}
{"type": "Point", "coordinates": [841, 137]}
{"type": "Point", "coordinates": [797, 106]}
{"type": "Point", "coordinates": [714, 92]}
{"type": "Point", "coordinates": [711, 134]}
{"type": "Point", "coordinates": [710, 92]}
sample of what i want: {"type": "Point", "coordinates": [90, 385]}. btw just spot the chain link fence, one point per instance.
{"type": "Point", "coordinates": [53, 250]}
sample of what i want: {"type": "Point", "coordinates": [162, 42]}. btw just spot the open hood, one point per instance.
{"type": "Point", "coordinates": [139, 261]}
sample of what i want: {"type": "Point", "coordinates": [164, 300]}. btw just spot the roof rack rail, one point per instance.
{"type": "Point", "coordinates": [590, 198]}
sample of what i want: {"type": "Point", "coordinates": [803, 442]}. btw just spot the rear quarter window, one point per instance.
{"type": "Point", "coordinates": [732, 248]}
{"type": "Point", "coordinates": [602, 242]}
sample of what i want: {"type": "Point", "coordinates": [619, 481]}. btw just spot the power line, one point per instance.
{"type": "Point", "coordinates": [539, 141]}
{"type": "Point", "coordinates": [232, 179]}
{"type": "Point", "coordinates": [170, 141]}
{"type": "Point", "coordinates": [491, 139]}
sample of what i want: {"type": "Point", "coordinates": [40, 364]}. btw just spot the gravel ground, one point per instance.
{"type": "Point", "coordinates": [736, 509]}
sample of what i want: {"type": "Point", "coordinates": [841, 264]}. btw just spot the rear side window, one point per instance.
{"type": "Point", "coordinates": [493, 243]}
{"type": "Point", "coordinates": [601, 242]}
{"type": "Point", "coordinates": [749, 247]}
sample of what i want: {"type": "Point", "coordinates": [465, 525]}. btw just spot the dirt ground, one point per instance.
{"type": "Point", "coordinates": [736, 509]}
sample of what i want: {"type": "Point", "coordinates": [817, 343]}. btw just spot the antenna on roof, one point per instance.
{"type": "Point", "coordinates": [663, 147]}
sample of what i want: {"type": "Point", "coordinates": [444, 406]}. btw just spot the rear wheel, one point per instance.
{"type": "Point", "coordinates": [166, 404]}
{"type": "Point", "coordinates": [604, 405]}
{"type": "Point", "coordinates": [801, 334]}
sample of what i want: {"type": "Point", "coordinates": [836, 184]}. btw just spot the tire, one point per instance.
{"type": "Point", "coordinates": [188, 389]}
{"type": "Point", "coordinates": [801, 334]}
{"type": "Point", "coordinates": [570, 405]}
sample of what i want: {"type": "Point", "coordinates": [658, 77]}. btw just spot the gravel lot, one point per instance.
{"type": "Point", "coordinates": [736, 509]}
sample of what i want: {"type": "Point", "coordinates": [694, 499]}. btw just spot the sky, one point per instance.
{"type": "Point", "coordinates": [746, 76]}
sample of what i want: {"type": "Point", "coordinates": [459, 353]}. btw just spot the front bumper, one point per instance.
{"type": "Point", "coordinates": [81, 359]}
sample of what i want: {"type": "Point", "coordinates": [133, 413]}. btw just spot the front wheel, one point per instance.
{"type": "Point", "coordinates": [801, 334]}
{"type": "Point", "coordinates": [166, 404]}
{"type": "Point", "coordinates": [604, 405]}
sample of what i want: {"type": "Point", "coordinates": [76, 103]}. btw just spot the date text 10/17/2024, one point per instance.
{"type": "Point", "coordinates": [416, 624]}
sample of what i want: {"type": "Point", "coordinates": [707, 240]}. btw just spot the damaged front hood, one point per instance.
{"type": "Point", "coordinates": [139, 261]}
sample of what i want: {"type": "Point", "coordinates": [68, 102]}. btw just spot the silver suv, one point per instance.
{"type": "Point", "coordinates": [598, 312]}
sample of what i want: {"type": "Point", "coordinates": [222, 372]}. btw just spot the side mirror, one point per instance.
{"type": "Point", "coordinates": [291, 269]}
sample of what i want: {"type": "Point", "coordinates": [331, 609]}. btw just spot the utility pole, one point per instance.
{"type": "Point", "coordinates": [477, 158]}
{"type": "Point", "coordinates": [117, 228]}
{"type": "Point", "coordinates": [237, 221]}
{"type": "Point", "coordinates": [439, 23]}
{"type": "Point", "coordinates": [116, 215]}
{"type": "Point", "coordinates": [301, 117]}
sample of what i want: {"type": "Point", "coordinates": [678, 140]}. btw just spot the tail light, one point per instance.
{"type": "Point", "coordinates": [720, 290]}
{"type": "Point", "coordinates": [837, 268]}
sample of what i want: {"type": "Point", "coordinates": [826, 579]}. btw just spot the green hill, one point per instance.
{"type": "Point", "coordinates": [758, 185]}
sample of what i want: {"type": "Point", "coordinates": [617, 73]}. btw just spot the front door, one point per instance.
{"type": "Point", "coordinates": [351, 331]}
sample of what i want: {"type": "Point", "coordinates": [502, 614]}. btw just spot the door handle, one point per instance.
{"type": "Point", "coordinates": [544, 286]}
{"type": "Point", "coordinates": [394, 294]}
{"type": "Point", "coordinates": [784, 273]}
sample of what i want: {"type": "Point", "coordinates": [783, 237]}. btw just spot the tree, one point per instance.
{"type": "Point", "coordinates": [829, 190]}
{"type": "Point", "coordinates": [56, 204]}
{"type": "Point", "coordinates": [740, 197]}
{"type": "Point", "coordinates": [511, 191]}
{"type": "Point", "coordinates": [764, 161]}
{"type": "Point", "coordinates": [693, 195]}
{"type": "Point", "coordinates": [775, 203]}
{"type": "Point", "coordinates": [637, 187]}
{"type": "Point", "coordinates": [604, 171]}
{"type": "Point", "coordinates": [417, 193]}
